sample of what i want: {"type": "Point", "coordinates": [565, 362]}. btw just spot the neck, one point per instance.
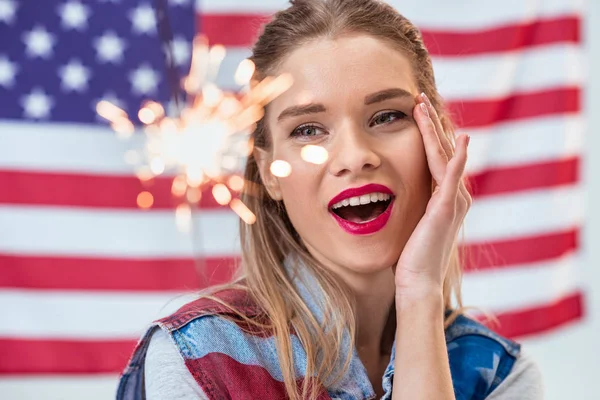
{"type": "Point", "coordinates": [374, 311]}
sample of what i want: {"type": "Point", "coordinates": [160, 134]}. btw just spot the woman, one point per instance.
{"type": "Point", "coordinates": [350, 269]}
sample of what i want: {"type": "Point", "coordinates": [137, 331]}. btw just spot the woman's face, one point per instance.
{"type": "Point", "coordinates": [353, 96]}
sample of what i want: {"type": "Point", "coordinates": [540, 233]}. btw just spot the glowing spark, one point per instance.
{"type": "Point", "coordinates": [179, 186]}
{"type": "Point", "coordinates": [281, 168]}
{"type": "Point", "coordinates": [221, 194]}
{"type": "Point", "coordinates": [236, 183]}
{"type": "Point", "coordinates": [147, 116]}
{"type": "Point", "coordinates": [124, 127]}
{"type": "Point", "coordinates": [244, 72]}
{"type": "Point", "coordinates": [209, 139]}
{"type": "Point", "coordinates": [194, 195]}
{"type": "Point", "coordinates": [242, 211]}
{"type": "Point", "coordinates": [109, 111]}
{"type": "Point", "coordinates": [183, 217]}
{"type": "Point", "coordinates": [157, 166]}
{"type": "Point", "coordinates": [145, 200]}
{"type": "Point", "coordinates": [314, 154]}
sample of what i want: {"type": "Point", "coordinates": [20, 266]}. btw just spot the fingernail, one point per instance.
{"type": "Point", "coordinates": [424, 109]}
{"type": "Point", "coordinates": [426, 99]}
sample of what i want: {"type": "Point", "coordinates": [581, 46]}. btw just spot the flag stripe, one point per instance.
{"type": "Point", "coordinates": [139, 234]}
{"type": "Point", "coordinates": [506, 38]}
{"type": "Point", "coordinates": [477, 113]}
{"type": "Point", "coordinates": [35, 356]}
{"type": "Point", "coordinates": [69, 148]}
{"type": "Point", "coordinates": [525, 177]}
{"type": "Point", "coordinates": [123, 315]}
{"type": "Point", "coordinates": [533, 320]}
{"type": "Point", "coordinates": [95, 191]}
{"type": "Point", "coordinates": [97, 274]}
{"type": "Point", "coordinates": [61, 356]}
{"type": "Point", "coordinates": [81, 273]}
{"type": "Point", "coordinates": [98, 191]}
{"type": "Point", "coordinates": [520, 250]}
{"type": "Point", "coordinates": [470, 16]}
{"type": "Point", "coordinates": [241, 30]}
{"type": "Point", "coordinates": [468, 77]}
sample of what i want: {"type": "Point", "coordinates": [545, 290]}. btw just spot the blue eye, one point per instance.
{"type": "Point", "coordinates": [387, 117]}
{"type": "Point", "coordinates": [306, 131]}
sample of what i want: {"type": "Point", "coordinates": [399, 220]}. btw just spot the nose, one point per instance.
{"type": "Point", "coordinates": [353, 153]}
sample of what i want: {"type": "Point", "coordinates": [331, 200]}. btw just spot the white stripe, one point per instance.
{"type": "Point", "coordinates": [536, 284]}
{"type": "Point", "coordinates": [498, 75]}
{"type": "Point", "coordinates": [114, 233]}
{"type": "Point", "coordinates": [132, 233]}
{"type": "Point", "coordinates": [525, 142]}
{"type": "Point", "coordinates": [478, 77]}
{"type": "Point", "coordinates": [59, 387]}
{"type": "Point", "coordinates": [433, 14]}
{"type": "Point", "coordinates": [64, 148]}
{"type": "Point", "coordinates": [524, 214]}
{"type": "Point", "coordinates": [83, 315]}
{"type": "Point", "coordinates": [93, 150]}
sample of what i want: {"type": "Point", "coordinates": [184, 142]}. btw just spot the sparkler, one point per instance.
{"type": "Point", "coordinates": [209, 139]}
{"type": "Point", "coordinates": [208, 142]}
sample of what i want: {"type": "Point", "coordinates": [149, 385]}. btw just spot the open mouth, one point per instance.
{"type": "Point", "coordinates": [362, 209]}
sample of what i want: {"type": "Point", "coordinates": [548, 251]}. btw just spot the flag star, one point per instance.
{"type": "Point", "coordinates": [109, 48]}
{"type": "Point", "coordinates": [144, 80]}
{"type": "Point", "coordinates": [143, 19]}
{"type": "Point", "coordinates": [8, 70]}
{"type": "Point", "coordinates": [8, 9]}
{"type": "Point", "coordinates": [488, 374]}
{"type": "Point", "coordinates": [179, 2]}
{"type": "Point", "coordinates": [74, 15]}
{"type": "Point", "coordinates": [39, 42]}
{"type": "Point", "coordinates": [37, 104]}
{"type": "Point", "coordinates": [74, 76]}
{"type": "Point", "coordinates": [181, 50]}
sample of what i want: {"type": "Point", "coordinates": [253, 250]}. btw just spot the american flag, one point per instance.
{"type": "Point", "coordinates": [83, 269]}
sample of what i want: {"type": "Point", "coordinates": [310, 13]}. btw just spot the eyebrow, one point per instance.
{"type": "Point", "coordinates": [315, 108]}
{"type": "Point", "coordinates": [387, 94]}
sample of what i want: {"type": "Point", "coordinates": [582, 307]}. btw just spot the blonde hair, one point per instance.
{"type": "Point", "coordinates": [272, 239]}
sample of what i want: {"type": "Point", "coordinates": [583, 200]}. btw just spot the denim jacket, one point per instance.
{"type": "Point", "coordinates": [231, 360]}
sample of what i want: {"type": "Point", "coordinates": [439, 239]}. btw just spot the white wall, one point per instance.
{"type": "Point", "coordinates": [570, 357]}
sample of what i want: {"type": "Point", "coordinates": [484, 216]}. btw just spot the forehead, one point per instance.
{"type": "Point", "coordinates": [346, 66]}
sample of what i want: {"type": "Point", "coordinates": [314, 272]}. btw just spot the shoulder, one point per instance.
{"type": "Point", "coordinates": [523, 383]}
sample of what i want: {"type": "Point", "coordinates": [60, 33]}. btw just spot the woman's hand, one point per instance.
{"type": "Point", "coordinates": [424, 261]}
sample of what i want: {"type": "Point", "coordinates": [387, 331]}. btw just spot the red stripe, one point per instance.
{"type": "Point", "coordinates": [95, 191]}
{"type": "Point", "coordinates": [36, 356]}
{"type": "Point", "coordinates": [79, 190]}
{"type": "Point", "coordinates": [539, 319]}
{"type": "Point", "coordinates": [55, 356]}
{"type": "Point", "coordinates": [519, 251]}
{"type": "Point", "coordinates": [242, 30]}
{"type": "Point", "coordinates": [525, 177]}
{"type": "Point", "coordinates": [517, 106]}
{"type": "Point", "coordinates": [506, 38]}
{"type": "Point", "coordinates": [226, 380]}
{"type": "Point", "coordinates": [99, 273]}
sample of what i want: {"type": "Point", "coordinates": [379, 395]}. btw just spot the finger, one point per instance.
{"type": "Point", "coordinates": [436, 156]}
{"type": "Point", "coordinates": [454, 173]}
{"type": "Point", "coordinates": [439, 128]}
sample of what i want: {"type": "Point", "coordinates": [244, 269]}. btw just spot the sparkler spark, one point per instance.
{"type": "Point", "coordinates": [207, 142]}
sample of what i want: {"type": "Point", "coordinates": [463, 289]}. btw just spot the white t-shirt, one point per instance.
{"type": "Point", "coordinates": [167, 377]}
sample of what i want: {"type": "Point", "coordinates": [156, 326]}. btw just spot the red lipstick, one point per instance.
{"type": "Point", "coordinates": [363, 228]}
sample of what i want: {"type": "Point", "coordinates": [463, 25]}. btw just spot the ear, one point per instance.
{"type": "Point", "coordinates": [263, 160]}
